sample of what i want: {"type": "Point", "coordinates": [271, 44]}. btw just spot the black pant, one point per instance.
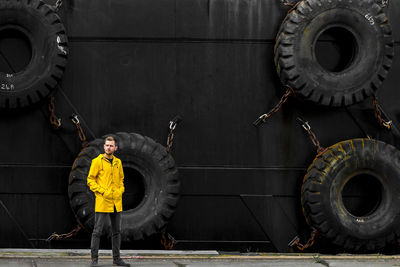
{"type": "Point", "coordinates": [99, 221]}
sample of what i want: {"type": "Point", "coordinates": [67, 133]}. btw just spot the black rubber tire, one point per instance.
{"type": "Point", "coordinates": [295, 57]}
{"type": "Point", "coordinates": [42, 26]}
{"type": "Point", "coordinates": [323, 185]}
{"type": "Point", "coordinates": [161, 185]}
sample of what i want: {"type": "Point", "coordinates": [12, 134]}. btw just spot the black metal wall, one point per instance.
{"type": "Point", "coordinates": [134, 65]}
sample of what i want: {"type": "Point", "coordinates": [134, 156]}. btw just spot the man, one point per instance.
{"type": "Point", "coordinates": [106, 180]}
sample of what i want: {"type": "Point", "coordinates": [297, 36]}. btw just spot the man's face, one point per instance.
{"type": "Point", "coordinates": [109, 147]}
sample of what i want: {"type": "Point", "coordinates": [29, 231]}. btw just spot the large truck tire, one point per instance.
{"type": "Point", "coordinates": [367, 34]}
{"type": "Point", "coordinates": [160, 179]}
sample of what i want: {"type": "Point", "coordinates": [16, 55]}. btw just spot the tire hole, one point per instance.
{"type": "Point", "coordinates": [362, 194]}
{"type": "Point", "coordinates": [134, 188]}
{"type": "Point", "coordinates": [15, 50]}
{"type": "Point", "coordinates": [335, 49]}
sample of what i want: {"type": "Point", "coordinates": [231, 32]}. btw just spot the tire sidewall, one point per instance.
{"type": "Point", "coordinates": [159, 177]}
{"type": "Point", "coordinates": [48, 42]}
{"type": "Point", "coordinates": [369, 48]}
{"type": "Point", "coordinates": [385, 217]}
{"type": "Point", "coordinates": [368, 60]}
{"type": "Point", "coordinates": [347, 160]}
{"type": "Point", "coordinates": [154, 180]}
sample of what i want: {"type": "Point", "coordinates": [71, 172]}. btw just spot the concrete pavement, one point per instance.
{"type": "Point", "coordinates": [164, 258]}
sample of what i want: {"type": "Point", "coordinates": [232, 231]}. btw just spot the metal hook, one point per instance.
{"type": "Point", "coordinates": [74, 118]}
{"type": "Point", "coordinates": [172, 125]}
{"type": "Point", "coordinates": [304, 124]}
{"type": "Point", "coordinates": [174, 122]}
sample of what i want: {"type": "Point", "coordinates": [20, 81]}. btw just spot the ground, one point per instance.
{"type": "Point", "coordinates": [77, 258]}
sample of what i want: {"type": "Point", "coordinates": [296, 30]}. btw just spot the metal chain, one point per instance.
{"type": "Point", "coordinates": [54, 121]}
{"type": "Point", "coordinates": [57, 5]}
{"type": "Point", "coordinates": [378, 114]}
{"type": "Point", "coordinates": [288, 3]}
{"type": "Point", "coordinates": [167, 240]}
{"type": "Point", "coordinates": [291, 4]}
{"type": "Point", "coordinates": [65, 236]}
{"type": "Point", "coordinates": [81, 134]}
{"type": "Point", "coordinates": [170, 139]}
{"type": "Point", "coordinates": [263, 118]}
{"type": "Point", "coordinates": [306, 126]}
{"type": "Point", "coordinates": [385, 3]}
{"type": "Point", "coordinates": [172, 125]}
{"type": "Point", "coordinates": [310, 242]}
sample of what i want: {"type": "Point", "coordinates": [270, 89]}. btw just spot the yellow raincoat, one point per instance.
{"type": "Point", "coordinates": [107, 183]}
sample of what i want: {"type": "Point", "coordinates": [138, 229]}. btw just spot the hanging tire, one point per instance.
{"type": "Point", "coordinates": [350, 194]}
{"type": "Point", "coordinates": [41, 29]}
{"type": "Point", "coordinates": [143, 159]}
{"type": "Point", "coordinates": [366, 38]}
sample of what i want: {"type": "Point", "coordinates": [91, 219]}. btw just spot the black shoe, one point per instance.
{"type": "Point", "coordinates": [120, 262]}
{"type": "Point", "coordinates": [94, 262]}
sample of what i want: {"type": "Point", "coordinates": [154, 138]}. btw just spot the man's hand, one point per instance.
{"type": "Point", "coordinates": [108, 194]}
{"type": "Point", "coordinates": [117, 193]}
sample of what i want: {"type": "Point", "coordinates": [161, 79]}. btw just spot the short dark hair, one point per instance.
{"type": "Point", "coordinates": [110, 138]}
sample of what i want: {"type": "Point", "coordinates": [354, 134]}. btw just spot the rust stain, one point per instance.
{"type": "Point", "coordinates": [341, 149]}
{"type": "Point", "coordinates": [352, 144]}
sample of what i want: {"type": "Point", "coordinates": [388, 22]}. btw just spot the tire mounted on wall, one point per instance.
{"type": "Point", "coordinates": [46, 34]}
{"type": "Point", "coordinates": [160, 179]}
{"type": "Point", "coordinates": [323, 189]}
{"type": "Point", "coordinates": [369, 63]}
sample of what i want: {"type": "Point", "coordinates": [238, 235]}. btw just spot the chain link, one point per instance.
{"type": "Point", "coordinates": [54, 120]}
{"type": "Point", "coordinates": [167, 240]}
{"type": "Point", "coordinates": [385, 3]}
{"type": "Point", "coordinates": [306, 126]}
{"type": "Point", "coordinates": [65, 236]}
{"type": "Point", "coordinates": [291, 4]}
{"type": "Point", "coordinates": [288, 3]}
{"type": "Point", "coordinates": [310, 241]}
{"type": "Point", "coordinates": [81, 134]}
{"type": "Point", "coordinates": [57, 5]}
{"type": "Point", "coordinates": [378, 114]}
{"type": "Point", "coordinates": [170, 140]}
{"type": "Point", "coordinates": [263, 118]}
